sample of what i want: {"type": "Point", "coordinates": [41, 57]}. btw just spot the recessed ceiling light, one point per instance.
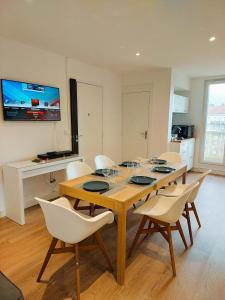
{"type": "Point", "coordinates": [212, 38]}
{"type": "Point", "coordinates": [138, 54]}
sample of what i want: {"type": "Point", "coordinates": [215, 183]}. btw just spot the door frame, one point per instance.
{"type": "Point", "coordinates": [102, 89]}
{"type": "Point", "coordinates": [203, 135]}
{"type": "Point", "coordinates": [128, 89]}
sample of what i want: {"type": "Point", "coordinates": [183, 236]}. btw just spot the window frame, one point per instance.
{"type": "Point", "coordinates": [205, 108]}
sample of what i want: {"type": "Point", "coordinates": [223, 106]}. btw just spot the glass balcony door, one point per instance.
{"type": "Point", "coordinates": [214, 135]}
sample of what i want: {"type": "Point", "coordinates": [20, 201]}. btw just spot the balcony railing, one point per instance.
{"type": "Point", "coordinates": [214, 144]}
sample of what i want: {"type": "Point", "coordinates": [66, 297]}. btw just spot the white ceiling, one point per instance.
{"type": "Point", "coordinates": [108, 33]}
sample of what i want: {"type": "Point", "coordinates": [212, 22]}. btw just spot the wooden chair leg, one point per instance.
{"type": "Point", "coordinates": [147, 197]}
{"type": "Point", "coordinates": [103, 248]}
{"type": "Point", "coordinates": [170, 241]}
{"type": "Point", "coordinates": [141, 226]}
{"type": "Point", "coordinates": [76, 203]}
{"type": "Point", "coordinates": [77, 261]}
{"type": "Point", "coordinates": [181, 234]}
{"type": "Point", "coordinates": [196, 214]}
{"type": "Point", "coordinates": [92, 209]}
{"type": "Point", "coordinates": [48, 255]}
{"type": "Point", "coordinates": [149, 227]}
{"type": "Point", "coordinates": [189, 222]}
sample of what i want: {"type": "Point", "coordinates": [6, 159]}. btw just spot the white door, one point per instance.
{"type": "Point", "coordinates": [89, 121]}
{"type": "Point", "coordinates": [135, 124]}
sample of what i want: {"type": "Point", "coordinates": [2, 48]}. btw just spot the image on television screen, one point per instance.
{"type": "Point", "coordinates": [24, 101]}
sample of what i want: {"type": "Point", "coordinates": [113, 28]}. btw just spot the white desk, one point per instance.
{"type": "Point", "coordinates": [14, 173]}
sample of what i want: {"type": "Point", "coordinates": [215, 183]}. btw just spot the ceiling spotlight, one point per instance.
{"type": "Point", "coordinates": [212, 38]}
{"type": "Point", "coordinates": [138, 54]}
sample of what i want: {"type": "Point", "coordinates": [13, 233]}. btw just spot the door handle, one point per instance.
{"type": "Point", "coordinates": [145, 134]}
{"type": "Point", "coordinates": [78, 137]}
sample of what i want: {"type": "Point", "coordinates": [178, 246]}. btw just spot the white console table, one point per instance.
{"type": "Point", "coordinates": [14, 173]}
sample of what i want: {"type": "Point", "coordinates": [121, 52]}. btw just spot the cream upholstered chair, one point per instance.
{"type": "Point", "coordinates": [67, 225]}
{"type": "Point", "coordinates": [177, 189]}
{"type": "Point", "coordinates": [103, 161]}
{"type": "Point", "coordinates": [171, 157]}
{"type": "Point", "coordinates": [78, 169]}
{"type": "Point", "coordinates": [162, 212]}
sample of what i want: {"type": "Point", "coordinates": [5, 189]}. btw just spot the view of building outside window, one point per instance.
{"type": "Point", "coordinates": [215, 124]}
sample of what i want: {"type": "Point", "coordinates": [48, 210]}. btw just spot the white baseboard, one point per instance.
{"type": "Point", "coordinates": [214, 172]}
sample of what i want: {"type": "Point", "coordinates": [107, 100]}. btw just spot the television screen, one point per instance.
{"type": "Point", "coordinates": [23, 101]}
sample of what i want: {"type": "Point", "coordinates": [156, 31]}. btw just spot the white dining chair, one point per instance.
{"type": "Point", "coordinates": [173, 157]}
{"type": "Point", "coordinates": [78, 169]}
{"type": "Point", "coordinates": [71, 227]}
{"type": "Point", "coordinates": [103, 161]}
{"type": "Point", "coordinates": [175, 190]}
{"type": "Point", "coordinates": [162, 213]}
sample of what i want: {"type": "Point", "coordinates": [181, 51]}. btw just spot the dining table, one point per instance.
{"type": "Point", "coordinates": [121, 196]}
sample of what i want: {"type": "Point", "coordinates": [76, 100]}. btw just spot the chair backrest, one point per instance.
{"type": "Point", "coordinates": [77, 169]}
{"type": "Point", "coordinates": [200, 180]}
{"type": "Point", "coordinates": [171, 157]}
{"type": "Point", "coordinates": [203, 176]}
{"type": "Point", "coordinates": [103, 161]}
{"type": "Point", "coordinates": [177, 208]}
{"type": "Point", "coordinates": [63, 222]}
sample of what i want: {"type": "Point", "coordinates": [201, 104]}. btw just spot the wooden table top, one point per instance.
{"type": "Point", "coordinates": [122, 192]}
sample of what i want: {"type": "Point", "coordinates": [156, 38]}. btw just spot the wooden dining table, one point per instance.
{"type": "Point", "coordinates": [121, 196]}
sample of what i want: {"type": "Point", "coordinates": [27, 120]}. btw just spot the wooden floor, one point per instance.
{"type": "Point", "coordinates": [200, 269]}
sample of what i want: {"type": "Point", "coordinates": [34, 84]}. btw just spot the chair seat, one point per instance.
{"type": "Point", "coordinates": [174, 190]}
{"type": "Point", "coordinates": [158, 207]}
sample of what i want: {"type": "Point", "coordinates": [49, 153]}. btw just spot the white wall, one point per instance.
{"type": "Point", "coordinates": [160, 81]}
{"type": "Point", "coordinates": [22, 140]}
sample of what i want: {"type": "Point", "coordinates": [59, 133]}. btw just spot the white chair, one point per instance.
{"type": "Point", "coordinates": [171, 157]}
{"type": "Point", "coordinates": [67, 225]}
{"type": "Point", "coordinates": [177, 189]}
{"type": "Point", "coordinates": [103, 161]}
{"type": "Point", "coordinates": [162, 212]}
{"type": "Point", "coordinates": [78, 169]}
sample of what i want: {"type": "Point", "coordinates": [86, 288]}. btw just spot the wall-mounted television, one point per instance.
{"type": "Point", "coordinates": [23, 101]}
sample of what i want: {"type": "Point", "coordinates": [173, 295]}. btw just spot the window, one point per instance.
{"type": "Point", "coordinates": [214, 135]}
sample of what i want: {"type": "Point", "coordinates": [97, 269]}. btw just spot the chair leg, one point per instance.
{"type": "Point", "coordinates": [76, 203]}
{"type": "Point", "coordinates": [181, 234]}
{"type": "Point", "coordinates": [77, 261]}
{"type": "Point", "coordinates": [141, 226]}
{"type": "Point", "coordinates": [147, 197]}
{"type": "Point", "coordinates": [189, 222]}
{"type": "Point", "coordinates": [149, 227]}
{"type": "Point", "coordinates": [103, 248]}
{"type": "Point", "coordinates": [196, 214]}
{"type": "Point", "coordinates": [48, 255]}
{"type": "Point", "coordinates": [92, 210]}
{"type": "Point", "coordinates": [170, 241]}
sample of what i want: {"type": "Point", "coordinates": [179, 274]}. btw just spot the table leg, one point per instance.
{"type": "Point", "coordinates": [184, 177]}
{"type": "Point", "coordinates": [121, 246]}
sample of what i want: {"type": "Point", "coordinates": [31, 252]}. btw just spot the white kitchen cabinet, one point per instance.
{"type": "Point", "coordinates": [180, 104]}
{"type": "Point", "coordinates": [186, 149]}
